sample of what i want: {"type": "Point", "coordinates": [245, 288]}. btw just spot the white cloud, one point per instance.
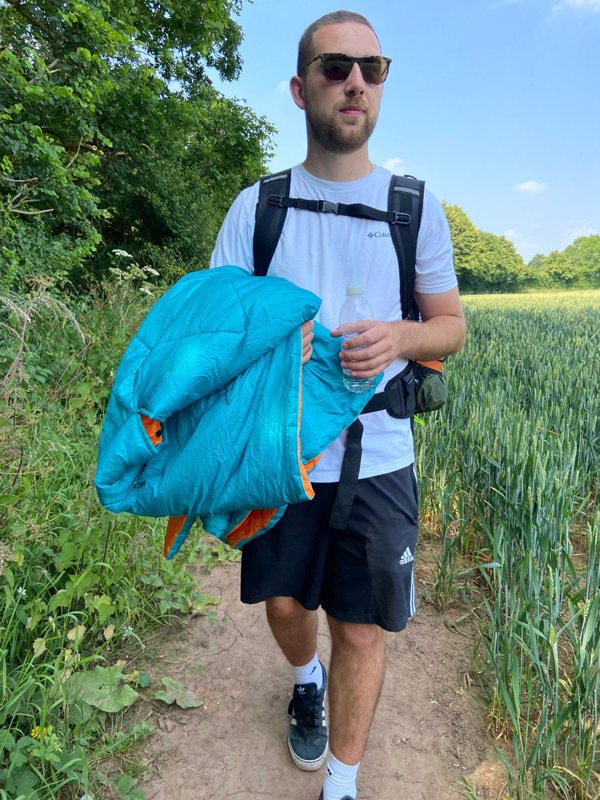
{"type": "Point", "coordinates": [395, 165]}
{"type": "Point", "coordinates": [531, 187]}
{"type": "Point", "coordinates": [584, 5]}
{"type": "Point", "coordinates": [282, 87]}
{"type": "Point", "coordinates": [509, 234]}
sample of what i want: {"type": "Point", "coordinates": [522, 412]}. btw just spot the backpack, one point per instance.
{"type": "Point", "coordinates": [420, 386]}
{"type": "Point", "coordinates": [427, 390]}
{"type": "Point", "coordinates": [405, 205]}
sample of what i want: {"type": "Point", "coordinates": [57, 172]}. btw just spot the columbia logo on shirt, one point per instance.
{"type": "Point", "coordinates": [407, 557]}
{"type": "Point", "coordinates": [379, 235]}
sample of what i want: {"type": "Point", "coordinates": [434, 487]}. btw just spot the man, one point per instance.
{"type": "Point", "coordinates": [361, 576]}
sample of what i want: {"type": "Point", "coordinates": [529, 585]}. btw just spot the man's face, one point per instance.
{"type": "Point", "coordinates": [341, 116]}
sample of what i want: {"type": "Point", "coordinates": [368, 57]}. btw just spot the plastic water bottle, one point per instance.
{"type": "Point", "coordinates": [356, 317]}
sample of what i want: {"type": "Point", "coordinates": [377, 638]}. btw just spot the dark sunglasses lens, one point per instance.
{"type": "Point", "coordinates": [374, 71]}
{"type": "Point", "coordinates": [336, 69]}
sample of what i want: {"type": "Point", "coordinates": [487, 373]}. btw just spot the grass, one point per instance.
{"type": "Point", "coordinates": [510, 472]}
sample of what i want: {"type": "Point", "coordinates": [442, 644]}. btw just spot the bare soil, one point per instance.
{"type": "Point", "coordinates": [428, 733]}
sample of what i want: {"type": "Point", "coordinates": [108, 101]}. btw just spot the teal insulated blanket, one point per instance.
{"type": "Point", "coordinates": [212, 414]}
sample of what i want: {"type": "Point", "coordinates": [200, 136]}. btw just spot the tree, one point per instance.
{"type": "Point", "coordinates": [175, 167]}
{"type": "Point", "coordinates": [484, 262]}
{"type": "Point", "coordinates": [503, 269]}
{"type": "Point", "coordinates": [465, 242]}
{"type": "Point", "coordinates": [576, 266]}
{"type": "Point", "coordinates": [48, 154]}
{"type": "Point", "coordinates": [585, 255]}
{"type": "Point", "coordinates": [99, 146]}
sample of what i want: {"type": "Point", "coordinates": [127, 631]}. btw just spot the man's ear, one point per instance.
{"type": "Point", "coordinates": [297, 91]}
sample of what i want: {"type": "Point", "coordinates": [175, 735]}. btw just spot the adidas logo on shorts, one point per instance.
{"type": "Point", "coordinates": [407, 557]}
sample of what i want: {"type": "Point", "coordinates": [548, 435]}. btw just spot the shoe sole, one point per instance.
{"type": "Point", "coordinates": [308, 766]}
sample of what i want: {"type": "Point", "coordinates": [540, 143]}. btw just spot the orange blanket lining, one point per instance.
{"type": "Point", "coordinates": [153, 428]}
{"type": "Point", "coordinates": [252, 523]}
{"type": "Point", "coordinates": [174, 526]}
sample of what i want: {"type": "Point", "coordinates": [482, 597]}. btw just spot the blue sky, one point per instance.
{"type": "Point", "coordinates": [495, 103]}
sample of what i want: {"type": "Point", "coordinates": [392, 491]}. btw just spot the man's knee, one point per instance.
{"type": "Point", "coordinates": [356, 636]}
{"type": "Point", "coordinates": [285, 609]}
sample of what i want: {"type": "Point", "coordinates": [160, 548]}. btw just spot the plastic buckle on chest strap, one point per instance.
{"type": "Point", "coordinates": [327, 206]}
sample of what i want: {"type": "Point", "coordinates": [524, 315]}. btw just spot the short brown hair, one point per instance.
{"type": "Point", "coordinates": [334, 18]}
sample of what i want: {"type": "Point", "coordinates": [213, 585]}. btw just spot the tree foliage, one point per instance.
{"type": "Point", "coordinates": [484, 262]}
{"type": "Point", "coordinates": [111, 134]}
{"type": "Point", "coordinates": [489, 263]}
{"type": "Point", "coordinates": [577, 266]}
{"type": "Point", "coordinates": [175, 166]}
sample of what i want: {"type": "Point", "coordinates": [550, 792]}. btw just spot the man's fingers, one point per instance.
{"type": "Point", "coordinates": [308, 335]}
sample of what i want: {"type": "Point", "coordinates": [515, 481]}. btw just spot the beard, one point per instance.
{"type": "Point", "coordinates": [337, 135]}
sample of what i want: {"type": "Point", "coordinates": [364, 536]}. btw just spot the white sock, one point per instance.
{"type": "Point", "coordinates": [340, 779]}
{"type": "Point", "coordinates": [310, 673]}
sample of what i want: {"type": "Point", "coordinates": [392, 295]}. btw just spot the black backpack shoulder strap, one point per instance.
{"type": "Point", "coordinates": [269, 219]}
{"type": "Point", "coordinates": [406, 196]}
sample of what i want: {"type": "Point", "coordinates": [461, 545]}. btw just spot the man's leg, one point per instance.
{"type": "Point", "coordinates": [356, 676]}
{"type": "Point", "coordinates": [295, 630]}
{"type": "Point", "coordinates": [357, 670]}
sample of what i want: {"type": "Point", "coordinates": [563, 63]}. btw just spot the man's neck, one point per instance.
{"type": "Point", "coordinates": [339, 167]}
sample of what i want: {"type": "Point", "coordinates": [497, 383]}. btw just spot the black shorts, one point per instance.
{"type": "Point", "coordinates": [361, 574]}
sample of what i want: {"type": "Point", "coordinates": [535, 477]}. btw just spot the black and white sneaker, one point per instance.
{"type": "Point", "coordinates": [307, 737]}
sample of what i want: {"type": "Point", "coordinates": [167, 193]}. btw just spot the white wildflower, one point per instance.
{"type": "Point", "coordinates": [122, 253]}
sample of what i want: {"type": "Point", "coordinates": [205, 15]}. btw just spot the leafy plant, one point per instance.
{"type": "Point", "coordinates": [176, 692]}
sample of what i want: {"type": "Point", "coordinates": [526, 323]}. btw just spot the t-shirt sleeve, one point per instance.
{"type": "Point", "coordinates": [234, 242]}
{"type": "Point", "coordinates": [434, 272]}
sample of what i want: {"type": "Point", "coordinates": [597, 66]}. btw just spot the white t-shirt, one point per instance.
{"type": "Point", "coordinates": [323, 253]}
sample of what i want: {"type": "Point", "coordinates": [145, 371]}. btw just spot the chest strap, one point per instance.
{"type": "Point", "coordinates": [357, 210]}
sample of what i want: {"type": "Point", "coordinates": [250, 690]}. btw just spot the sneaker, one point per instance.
{"type": "Point", "coordinates": [307, 737]}
{"type": "Point", "coordinates": [347, 797]}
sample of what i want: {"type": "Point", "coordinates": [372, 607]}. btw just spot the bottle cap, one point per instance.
{"type": "Point", "coordinates": [354, 289]}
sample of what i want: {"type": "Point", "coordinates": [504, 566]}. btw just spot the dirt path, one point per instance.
{"type": "Point", "coordinates": [428, 732]}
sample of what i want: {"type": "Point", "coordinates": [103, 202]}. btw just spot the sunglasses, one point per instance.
{"type": "Point", "coordinates": [336, 67]}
